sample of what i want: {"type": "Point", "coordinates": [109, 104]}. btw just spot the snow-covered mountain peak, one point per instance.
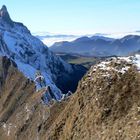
{"type": "Point", "coordinates": [4, 15]}
{"type": "Point", "coordinates": [30, 54]}
{"type": "Point", "coordinates": [3, 11]}
{"type": "Point", "coordinates": [4, 8]}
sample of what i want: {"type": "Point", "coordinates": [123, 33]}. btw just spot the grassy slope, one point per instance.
{"type": "Point", "coordinates": [82, 60]}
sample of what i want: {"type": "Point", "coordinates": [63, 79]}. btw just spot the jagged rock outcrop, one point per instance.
{"type": "Point", "coordinates": [4, 67]}
{"type": "Point", "coordinates": [19, 110]}
{"type": "Point", "coordinates": [4, 15]}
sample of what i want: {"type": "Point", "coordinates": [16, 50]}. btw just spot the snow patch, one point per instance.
{"type": "Point", "coordinates": [8, 128]}
{"type": "Point", "coordinates": [122, 65]}
{"type": "Point", "coordinates": [137, 61]}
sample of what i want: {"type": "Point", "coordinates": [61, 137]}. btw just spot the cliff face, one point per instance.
{"type": "Point", "coordinates": [19, 109]}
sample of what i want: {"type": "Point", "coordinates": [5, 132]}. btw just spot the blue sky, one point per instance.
{"type": "Point", "coordinates": [76, 16]}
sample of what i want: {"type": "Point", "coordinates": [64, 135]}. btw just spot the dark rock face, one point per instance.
{"type": "Point", "coordinates": [5, 15]}
{"type": "Point", "coordinates": [66, 83]}
{"type": "Point", "coordinates": [5, 64]}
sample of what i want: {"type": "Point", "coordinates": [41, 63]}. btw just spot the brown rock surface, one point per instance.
{"type": "Point", "coordinates": [106, 106]}
{"type": "Point", "coordinates": [103, 108]}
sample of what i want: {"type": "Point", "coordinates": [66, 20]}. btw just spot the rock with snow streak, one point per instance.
{"type": "Point", "coordinates": [105, 106]}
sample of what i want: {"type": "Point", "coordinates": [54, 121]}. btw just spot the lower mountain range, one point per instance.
{"type": "Point", "coordinates": [99, 46]}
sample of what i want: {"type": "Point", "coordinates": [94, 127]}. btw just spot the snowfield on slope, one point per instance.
{"type": "Point", "coordinates": [30, 54]}
{"type": "Point", "coordinates": [137, 61]}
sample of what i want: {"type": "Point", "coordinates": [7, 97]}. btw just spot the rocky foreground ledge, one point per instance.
{"type": "Point", "coordinates": [105, 106]}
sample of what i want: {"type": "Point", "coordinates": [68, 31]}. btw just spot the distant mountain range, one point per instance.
{"type": "Point", "coordinates": [99, 46]}
{"type": "Point", "coordinates": [50, 38]}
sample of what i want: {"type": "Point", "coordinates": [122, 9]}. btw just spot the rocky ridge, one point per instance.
{"type": "Point", "coordinates": [105, 106]}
